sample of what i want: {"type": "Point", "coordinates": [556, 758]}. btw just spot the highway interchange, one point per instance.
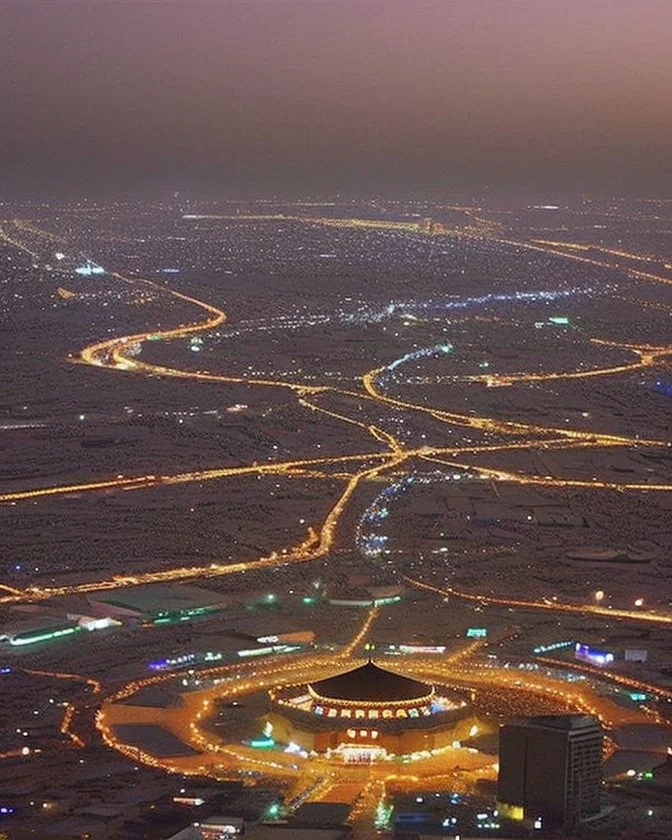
{"type": "Point", "coordinates": [121, 354]}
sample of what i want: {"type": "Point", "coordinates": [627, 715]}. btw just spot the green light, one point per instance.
{"type": "Point", "coordinates": [265, 651]}
{"type": "Point", "coordinates": [262, 743]}
{"type": "Point", "coordinates": [166, 617]}
{"type": "Point", "coordinates": [274, 810]}
{"type": "Point", "coordinates": [44, 637]}
{"type": "Point", "coordinates": [307, 599]}
{"type": "Point", "coordinates": [477, 632]}
{"type": "Point", "coordinates": [209, 656]}
{"type": "Point", "coordinates": [383, 816]}
{"type": "Point", "coordinates": [559, 320]}
{"type": "Point", "coordinates": [271, 598]}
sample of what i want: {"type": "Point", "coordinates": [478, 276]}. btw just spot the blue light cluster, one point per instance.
{"type": "Point", "coordinates": [375, 514]}
{"type": "Point", "coordinates": [372, 544]}
{"type": "Point", "coordinates": [175, 662]}
{"type": "Point", "coordinates": [436, 351]}
{"type": "Point", "coordinates": [89, 268]}
{"type": "Point", "coordinates": [404, 308]}
{"type": "Point", "coordinates": [416, 309]}
{"type": "Point", "coordinates": [184, 660]}
{"type": "Point", "coordinates": [661, 386]}
{"type": "Point", "coordinates": [553, 646]}
{"type": "Point", "coordinates": [593, 656]}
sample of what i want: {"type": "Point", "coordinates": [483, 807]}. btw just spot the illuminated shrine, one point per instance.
{"type": "Point", "coordinates": [367, 713]}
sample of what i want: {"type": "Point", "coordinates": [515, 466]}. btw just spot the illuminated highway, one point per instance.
{"type": "Point", "coordinates": [120, 354]}
{"type": "Point", "coordinates": [315, 545]}
{"type": "Point", "coordinates": [548, 605]}
{"type": "Point", "coordinates": [490, 424]}
{"type": "Point", "coordinates": [645, 357]}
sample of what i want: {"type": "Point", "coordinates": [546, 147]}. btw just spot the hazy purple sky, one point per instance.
{"type": "Point", "coordinates": [309, 95]}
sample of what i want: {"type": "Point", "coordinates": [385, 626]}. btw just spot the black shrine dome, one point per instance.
{"type": "Point", "coordinates": [370, 684]}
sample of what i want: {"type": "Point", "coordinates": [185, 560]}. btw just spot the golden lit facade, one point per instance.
{"type": "Point", "coordinates": [366, 714]}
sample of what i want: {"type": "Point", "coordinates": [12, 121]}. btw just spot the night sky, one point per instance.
{"type": "Point", "coordinates": [307, 96]}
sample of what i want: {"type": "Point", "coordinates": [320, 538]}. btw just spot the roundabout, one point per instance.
{"type": "Point", "coordinates": [312, 723]}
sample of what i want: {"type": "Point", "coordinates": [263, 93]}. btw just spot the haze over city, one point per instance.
{"type": "Point", "coordinates": [309, 95]}
{"type": "Point", "coordinates": [335, 438]}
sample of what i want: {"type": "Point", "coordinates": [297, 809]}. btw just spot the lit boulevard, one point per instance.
{"type": "Point", "coordinates": [120, 354]}
{"type": "Point", "coordinates": [549, 606]}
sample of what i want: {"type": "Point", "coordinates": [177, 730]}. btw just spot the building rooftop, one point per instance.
{"type": "Point", "coordinates": [33, 624]}
{"type": "Point", "coordinates": [369, 683]}
{"type": "Point", "coordinates": [560, 721]}
{"type": "Point", "coordinates": [157, 598]}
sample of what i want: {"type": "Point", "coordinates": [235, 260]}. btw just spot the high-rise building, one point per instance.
{"type": "Point", "coordinates": [550, 769]}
